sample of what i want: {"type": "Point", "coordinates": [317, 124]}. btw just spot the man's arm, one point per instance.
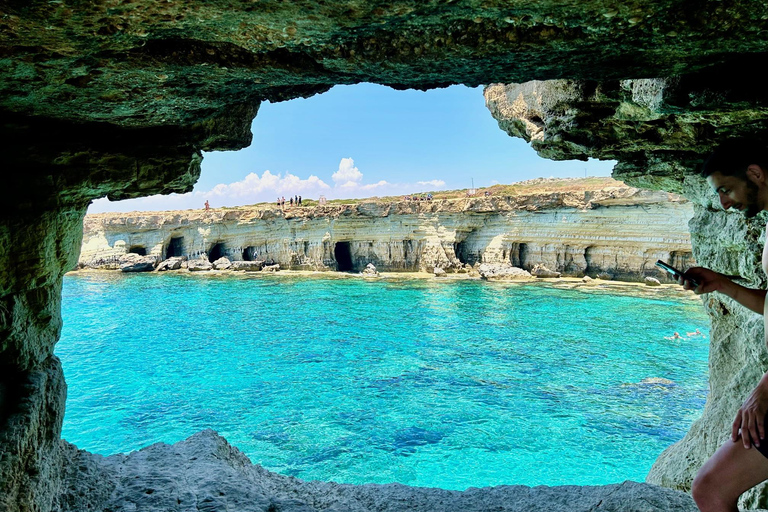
{"type": "Point", "coordinates": [711, 281]}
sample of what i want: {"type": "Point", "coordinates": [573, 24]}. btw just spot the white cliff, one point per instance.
{"type": "Point", "coordinates": [617, 230]}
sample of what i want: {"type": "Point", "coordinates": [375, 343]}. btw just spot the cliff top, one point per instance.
{"type": "Point", "coordinates": [532, 195]}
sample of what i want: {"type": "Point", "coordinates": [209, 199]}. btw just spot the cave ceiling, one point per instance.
{"type": "Point", "coordinates": [119, 97]}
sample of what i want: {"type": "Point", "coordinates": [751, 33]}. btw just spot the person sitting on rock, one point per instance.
{"type": "Point", "coordinates": [738, 173]}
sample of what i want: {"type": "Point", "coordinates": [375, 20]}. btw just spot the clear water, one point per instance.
{"type": "Point", "coordinates": [445, 384]}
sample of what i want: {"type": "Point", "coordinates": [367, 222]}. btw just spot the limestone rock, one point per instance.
{"type": "Point", "coordinates": [136, 263]}
{"type": "Point", "coordinates": [247, 266]}
{"type": "Point", "coordinates": [539, 270]}
{"type": "Point", "coordinates": [173, 263]}
{"type": "Point", "coordinates": [503, 271]}
{"type": "Point", "coordinates": [605, 276]}
{"type": "Point", "coordinates": [205, 472]}
{"type": "Point", "coordinates": [271, 268]}
{"type": "Point", "coordinates": [439, 272]}
{"type": "Point", "coordinates": [553, 226]}
{"type": "Point", "coordinates": [652, 281]}
{"type": "Point", "coordinates": [103, 263]}
{"type": "Point", "coordinates": [586, 279]}
{"type": "Point", "coordinates": [199, 265]}
{"type": "Point", "coordinates": [370, 270]}
{"type": "Point", "coordinates": [31, 464]}
{"type": "Point", "coordinates": [222, 264]}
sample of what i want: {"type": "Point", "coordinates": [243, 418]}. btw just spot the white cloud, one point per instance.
{"type": "Point", "coordinates": [432, 183]}
{"type": "Point", "coordinates": [253, 187]}
{"type": "Point", "coordinates": [348, 183]}
{"type": "Point", "coordinates": [348, 176]}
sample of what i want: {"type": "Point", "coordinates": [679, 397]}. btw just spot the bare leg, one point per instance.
{"type": "Point", "coordinates": [731, 471]}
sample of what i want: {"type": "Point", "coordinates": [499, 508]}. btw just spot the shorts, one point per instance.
{"type": "Point", "coordinates": [763, 448]}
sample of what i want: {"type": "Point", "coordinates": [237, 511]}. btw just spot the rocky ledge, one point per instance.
{"type": "Point", "coordinates": [205, 473]}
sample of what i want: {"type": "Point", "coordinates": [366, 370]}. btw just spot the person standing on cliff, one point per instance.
{"type": "Point", "coordinates": [738, 173]}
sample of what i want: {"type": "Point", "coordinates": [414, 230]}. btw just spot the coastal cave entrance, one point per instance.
{"type": "Point", "coordinates": [522, 255]}
{"type": "Point", "coordinates": [343, 255]}
{"type": "Point", "coordinates": [175, 247]}
{"type": "Point", "coordinates": [217, 251]}
{"type": "Point", "coordinates": [138, 249]}
{"type": "Point", "coordinates": [249, 253]}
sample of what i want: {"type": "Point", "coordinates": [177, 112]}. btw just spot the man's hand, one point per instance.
{"type": "Point", "coordinates": [709, 280]}
{"type": "Point", "coordinates": [750, 420]}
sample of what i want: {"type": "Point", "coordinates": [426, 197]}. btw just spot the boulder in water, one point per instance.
{"type": "Point", "coordinates": [173, 263]}
{"type": "Point", "coordinates": [540, 270]}
{"type": "Point", "coordinates": [652, 281]}
{"type": "Point", "coordinates": [248, 266]}
{"type": "Point", "coordinates": [271, 268]}
{"type": "Point", "coordinates": [503, 272]}
{"type": "Point", "coordinates": [222, 264]}
{"type": "Point", "coordinates": [135, 263]}
{"type": "Point", "coordinates": [370, 270]}
{"type": "Point", "coordinates": [199, 265]}
{"type": "Point", "coordinates": [439, 272]}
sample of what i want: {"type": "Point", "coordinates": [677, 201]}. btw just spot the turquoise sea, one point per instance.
{"type": "Point", "coordinates": [450, 384]}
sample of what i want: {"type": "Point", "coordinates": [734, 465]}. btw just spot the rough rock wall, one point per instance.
{"type": "Point", "coordinates": [622, 231]}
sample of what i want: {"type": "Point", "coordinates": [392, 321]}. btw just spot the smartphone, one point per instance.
{"type": "Point", "coordinates": [672, 270]}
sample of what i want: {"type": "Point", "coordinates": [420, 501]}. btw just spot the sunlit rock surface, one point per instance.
{"type": "Point", "coordinates": [619, 230]}
{"type": "Point", "coordinates": [205, 473]}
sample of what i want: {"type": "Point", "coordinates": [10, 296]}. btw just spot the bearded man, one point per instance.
{"type": "Point", "coordinates": [738, 174]}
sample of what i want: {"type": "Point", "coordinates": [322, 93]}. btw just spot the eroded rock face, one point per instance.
{"type": "Point", "coordinates": [32, 404]}
{"type": "Point", "coordinates": [617, 229]}
{"type": "Point", "coordinates": [205, 473]}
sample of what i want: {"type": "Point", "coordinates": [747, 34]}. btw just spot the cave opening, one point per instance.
{"type": "Point", "coordinates": [218, 250]}
{"type": "Point", "coordinates": [175, 247]}
{"type": "Point", "coordinates": [522, 255]}
{"type": "Point", "coordinates": [138, 249]}
{"type": "Point", "coordinates": [343, 255]}
{"type": "Point", "coordinates": [249, 253]}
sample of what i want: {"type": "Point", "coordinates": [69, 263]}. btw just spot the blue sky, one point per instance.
{"type": "Point", "coordinates": [365, 140]}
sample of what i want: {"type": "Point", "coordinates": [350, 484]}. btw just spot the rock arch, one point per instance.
{"type": "Point", "coordinates": [72, 131]}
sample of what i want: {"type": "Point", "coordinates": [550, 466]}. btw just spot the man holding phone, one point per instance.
{"type": "Point", "coordinates": [738, 173]}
